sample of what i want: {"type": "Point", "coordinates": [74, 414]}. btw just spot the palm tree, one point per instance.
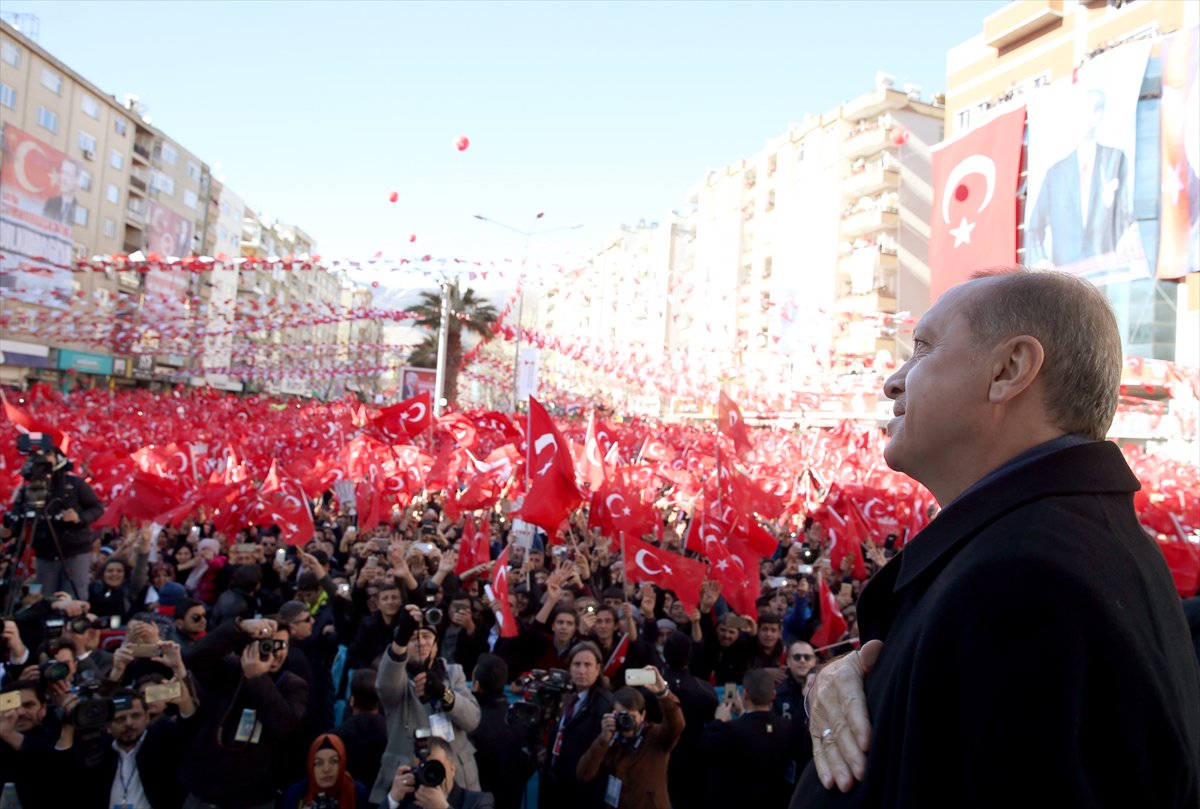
{"type": "Point", "coordinates": [467, 311]}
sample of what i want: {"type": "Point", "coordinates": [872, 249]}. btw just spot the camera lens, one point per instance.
{"type": "Point", "coordinates": [431, 773]}
{"type": "Point", "coordinates": [433, 617]}
{"type": "Point", "coordinates": [53, 672]}
{"type": "Point", "coordinates": [625, 722]}
{"type": "Point", "coordinates": [266, 648]}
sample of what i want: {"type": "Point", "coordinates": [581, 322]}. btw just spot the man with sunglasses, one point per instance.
{"type": "Point", "coordinates": [789, 700]}
{"type": "Point", "coordinates": [191, 621]}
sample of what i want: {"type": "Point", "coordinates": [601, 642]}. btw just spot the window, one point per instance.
{"type": "Point", "coordinates": [117, 160]}
{"type": "Point", "coordinates": [10, 53]}
{"type": "Point", "coordinates": [169, 154]}
{"type": "Point", "coordinates": [81, 215]}
{"type": "Point", "coordinates": [52, 81]}
{"type": "Point", "coordinates": [193, 170]}
{"type": "Point", "coordinates": [8, 96]}
{"type": "Point", "coordinates": [90, 107]}
{"type": "Point", "coordinates": [87, 142]}
{"type": "Point", "coordinates": [120, 126]}
{"type": "Point", "coordinates": [113, 194]}
{"type": "Point", "coordinates": [963, 119]}
{"type": "Point", "coordinates": [47, 119]}
{"type": "Point", "coordinates": [163, 183]}
{"type": "Point", "coordinates": [110, 228]}
{"type": "Point", "coordinates": [190, 199]}
{"type": "Point", "coordinates": [85, 180]}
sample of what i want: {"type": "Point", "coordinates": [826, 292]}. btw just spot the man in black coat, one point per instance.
{"type": "Point", "coordinates": [1028, 646]}
{"type": "Point", "coordinates": [364, 732]}
{"type": "Point", "coordinates": [503, 769]}
{"type": "Point", "coordinates": [249, 708]}
{"type": "Point", "coordinates": [747, 760]}
{"type": "Point", "coordinates": [62, 534]}
{"type": "Point", "coordinates": [698, 700]}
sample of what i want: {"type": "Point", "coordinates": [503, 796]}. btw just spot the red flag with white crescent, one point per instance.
{"type": "Point", "coordinates": [617, 659]}
{"type": "Point", "coordinates": [833, 624]}
{"type": "Point", "coordinates": [973, 224]}
{"type": "Point", "coordinates": [508, 623]}
{"type": "Point", "coordinates": [668, 570]}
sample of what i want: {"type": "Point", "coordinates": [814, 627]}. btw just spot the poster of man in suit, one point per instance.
{"type": "Point", "coordinates": [1082, 140]}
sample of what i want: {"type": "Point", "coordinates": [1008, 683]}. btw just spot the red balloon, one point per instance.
{"type": "Point", "coordinates": [412, 238]}
{"type": "Point", "coordinates": [461, 143]}
{"type": "Point", "coordinates": [901, 137]}
{"type": "Point", "coordinates": [392, 197]}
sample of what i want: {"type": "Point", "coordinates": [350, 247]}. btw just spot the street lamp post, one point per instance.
{"type": "Point", "coordinates": [528, 234]}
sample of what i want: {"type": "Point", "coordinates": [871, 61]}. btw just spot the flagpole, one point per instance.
{"type": "Point", "coordinates": [625, 563]}
{"type": "Point", "coordinates": [529, 456]}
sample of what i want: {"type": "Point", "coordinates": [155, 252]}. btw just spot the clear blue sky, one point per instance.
{"type": "Point", "coordinates": [599, 113]}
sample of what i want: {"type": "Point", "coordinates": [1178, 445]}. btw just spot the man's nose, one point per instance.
{"type": "Point", "coordinates": [894, 386]}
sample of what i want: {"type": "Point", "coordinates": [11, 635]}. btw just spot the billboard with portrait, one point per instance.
{"type": "Point", "coordinates": [1179, 236]}
{"type": "Point", "coordinates": [168, 235]}
{"type": "Point", "coordinates": [414, 381]}
{"type": "Point", "coordinates": [38, 188]}
{"type": "Point", "coordinates": [1082, 150]}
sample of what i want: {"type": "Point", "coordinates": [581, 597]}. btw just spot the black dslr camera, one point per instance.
{"type": "Point", "coordinates": [432, 615]}
{"type": "Point", "coordinates": [625, 722]}
{"type": "Point", "coordinates": [268, 647]}
{"type": "Point", "coordinates": [428, 772]}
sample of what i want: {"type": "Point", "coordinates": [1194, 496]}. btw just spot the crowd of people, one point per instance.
{"type": "Point", "coordinates": [335, 670]}
{"type": "Point", "coordinates": [153, 666]}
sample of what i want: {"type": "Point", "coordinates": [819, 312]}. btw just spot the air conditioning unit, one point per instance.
{"type": "Point", "coordinates": [88, 154]}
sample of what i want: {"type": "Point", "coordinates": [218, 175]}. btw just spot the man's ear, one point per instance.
{"type": "Point", "coordinates": [1018, 361]}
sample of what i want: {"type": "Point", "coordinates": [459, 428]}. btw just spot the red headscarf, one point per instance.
{"type": "Point", "coordinates": [343, 789]}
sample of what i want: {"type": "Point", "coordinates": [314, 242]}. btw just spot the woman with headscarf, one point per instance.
{"type": "Point", "coordinates": [327, 779]}
{"type": "Point", "coordinates": [201, 580]}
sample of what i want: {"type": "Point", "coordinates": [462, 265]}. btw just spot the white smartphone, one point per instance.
{"type": "Point", "coordinates": [636, 677]}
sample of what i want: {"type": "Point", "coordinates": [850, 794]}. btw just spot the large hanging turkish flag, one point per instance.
{"type": "Point", "coordinates": [973, 224]}
{"type": "Point", "coordinates": [552, 494]}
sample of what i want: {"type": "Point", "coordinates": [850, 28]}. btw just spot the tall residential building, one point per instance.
{"type": "Point", "coordinates": [794, 244]}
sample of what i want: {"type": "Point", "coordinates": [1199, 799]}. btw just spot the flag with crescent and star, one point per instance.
{"type": "Point", "coordinates": [508, 623]}
{"type": "Point", "coordinates": [552, 494]}
{"type": "Point", "coordinates": [973, 221]}
{"type": "Point", "coordinates": [669, 571]}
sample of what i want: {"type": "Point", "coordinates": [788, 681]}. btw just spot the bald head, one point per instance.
{"type": "Point", "coordinates": [1081, 370]}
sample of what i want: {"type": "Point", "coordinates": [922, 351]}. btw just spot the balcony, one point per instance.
{"type": "Point", "coordinates": [871, 180]}
{"type": "Point", "coordinates": [861, 223]}
{"type": "Point", "coordinates": [867, 142]}
{"type": "Point", "coordinates": [1016, 21]}
{"type": "Point", "coordinates": [134, 215]}
{"type": "Point", "coordinates": [137, 183]}
{"type": "Point", "coordinates": [872, 260]}
{"type": "Point", "coordinates": [142, 152]}
{"type": "Point", "coordinates": [872, 104]}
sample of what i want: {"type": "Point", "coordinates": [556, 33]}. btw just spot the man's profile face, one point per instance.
{"type": "Point", "coordinates": [302, 627]}
{"type": "Point", "coordinates": [938, 393]}
{"type": "Point", "coordinates": [68, 178]}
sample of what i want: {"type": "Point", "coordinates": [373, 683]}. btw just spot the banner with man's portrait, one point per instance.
{"type": "Point", "coordinates": [38, 189]}
{"type": "Point", "coordinates": [1081, 157]}
{"type": "Point", "coordinates": [1179, 236]}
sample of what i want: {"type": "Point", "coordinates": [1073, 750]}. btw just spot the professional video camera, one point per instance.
{"type": "Point", "coordinates": [428, 772]}
{"type": "Point", "coordinates": [542, 694]}
{"type": "Point", "coordinates": [93, 711]}
{"type": "Point", "coordinates": [42, 461]}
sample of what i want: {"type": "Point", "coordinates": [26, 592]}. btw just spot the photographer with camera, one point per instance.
{"type": "Point", "coordinates": [632, 752]}
{"type": "Point", "coordinates": [251, 706]}
{"type": "Point", "coordinates": [134, 763]}
{"type": "Point", "coordinates": [28, 731]}
{"type": "Point", "coordinates": [430, 782]}
{"type": "Point", "coordinates": [419, 690]}
{"type": "Point", "coordinates": [575, 731]}
{"type": "Point", "coordinates": [60, 508]}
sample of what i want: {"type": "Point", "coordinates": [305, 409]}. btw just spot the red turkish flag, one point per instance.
{"type": "Point", "coordinates": [284, 504]}
{"type": "Point", "coordinates": [833, 625]}
{"type": "Point", "coordinates": [737, 575]}
{"type": "Point", "coordinates": [552, 494]}
{"type": "Point", "coordinates": [973, 224]}
{"type": "Point", "coordinates": [26, 423]}
{"type": "Point", "coordinates": [473, 549]}
{"type": "Point", "coordinates": [592, 466]}
{"type": "Point", "coordinates": [508, 623]}
{"type": "Point", "coordinates": [668, 570]}
{"type": "Point", "coordinates": [407, 418]}
{"type": "Point", "coordinates": [731, 423]}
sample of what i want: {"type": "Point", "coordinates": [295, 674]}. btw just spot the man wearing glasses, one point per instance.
{"type": "Point", "coordinates": [789, 701]}
{"type": "Point", "coordinates": [191, 621]}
